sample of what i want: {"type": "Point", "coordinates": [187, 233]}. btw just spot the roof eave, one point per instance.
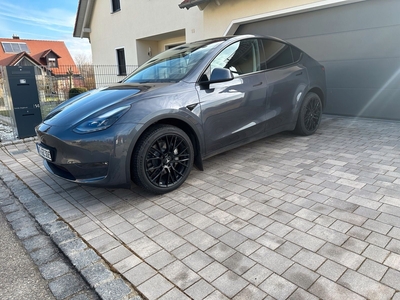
{"type": "Point", "coordinates": [190, 3]}
{"type": "Point", "coordinates": [83, 19]}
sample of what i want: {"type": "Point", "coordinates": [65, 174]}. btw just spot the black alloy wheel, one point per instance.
{"type": "Point", "coordinates": [309, 115]}
{"type": "Point", "coordinates": [162, 159]}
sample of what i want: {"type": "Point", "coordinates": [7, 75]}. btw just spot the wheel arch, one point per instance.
{"type": "Point", "coordinates": [191, 131]}
{"type": "Point", "coordinates": [320, 94]}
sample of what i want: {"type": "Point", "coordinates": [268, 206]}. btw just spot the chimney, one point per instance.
{"type": "Point", "coordinates": [15, 37]}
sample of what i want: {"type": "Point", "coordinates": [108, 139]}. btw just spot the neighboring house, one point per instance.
{"type": "Point", "coordinates": [52, 59]}
{"type": "Point", "coordinates": [356, 40]}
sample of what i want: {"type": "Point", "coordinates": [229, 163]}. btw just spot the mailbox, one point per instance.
{"type": "Point", "coordinates": [25, 105]}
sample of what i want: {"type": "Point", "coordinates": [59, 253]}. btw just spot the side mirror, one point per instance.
{"type": "Point", "coordinates": [220, 75]}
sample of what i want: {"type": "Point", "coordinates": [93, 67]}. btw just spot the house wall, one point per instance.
{"type": "Point", "coordinates": [153, 23]}
{"type": "Point", "coordinates": [144, 24]}
{"type": "Point", "coordinates": [217, 18]}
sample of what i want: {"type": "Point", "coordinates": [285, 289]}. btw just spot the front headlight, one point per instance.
{"type": "Point", "coordinates": [102, 121]}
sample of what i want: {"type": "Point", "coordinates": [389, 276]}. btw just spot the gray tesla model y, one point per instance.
{"type": "Point", "coordinates": [181, 107]}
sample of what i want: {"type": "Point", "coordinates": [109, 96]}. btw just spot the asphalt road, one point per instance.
{"type": "Point", "coordinates": [19, 276]}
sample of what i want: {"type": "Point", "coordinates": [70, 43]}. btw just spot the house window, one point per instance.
{"type": "Point", "coordinates": [121, 61]}
{"type": "Point", "coordinates": [116, 5]}
{"type": "Point", "coordinates": [15, 47]}
{"type": "Point", "coordinates": [52, 62]}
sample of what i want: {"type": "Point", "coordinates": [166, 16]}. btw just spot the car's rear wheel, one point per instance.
{"type": "Point", "coordinates": [162, 159]}
{"type": "Point", "coordinates": [310, 115]}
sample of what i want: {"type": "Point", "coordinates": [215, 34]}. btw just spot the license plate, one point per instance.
{"type": "Point", "coordinates": [43, 152]}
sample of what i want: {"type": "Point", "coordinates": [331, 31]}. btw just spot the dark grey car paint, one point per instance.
{"type": "Point", "coordinates": [218, 117]}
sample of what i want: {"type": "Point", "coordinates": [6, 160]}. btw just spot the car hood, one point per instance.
{"type": "Point", "coordinates": [84, 105]}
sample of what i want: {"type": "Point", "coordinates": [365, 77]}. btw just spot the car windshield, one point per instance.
{"type": "Point", "coordinates": [173, 64]}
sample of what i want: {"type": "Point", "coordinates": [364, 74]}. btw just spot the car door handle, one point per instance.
{"type": "Point", "coordinates": [258, 84]}
{"type": "Point", "coordinates": [300, 73]}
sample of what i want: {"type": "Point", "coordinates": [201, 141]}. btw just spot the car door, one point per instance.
{"type": "Point", "coordinates": [234, 111]}
{"type": "Point", "coordinates": [286, 79]}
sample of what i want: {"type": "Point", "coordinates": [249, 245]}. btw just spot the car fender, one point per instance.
{"type": "Point", "coordinates": [170, 116]}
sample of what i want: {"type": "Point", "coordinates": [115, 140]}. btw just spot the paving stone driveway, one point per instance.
{"type": "Point", "coordinates": [286, 217]}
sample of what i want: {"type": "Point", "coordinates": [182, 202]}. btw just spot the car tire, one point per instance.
{"type": "Point", "coordinates": [162, 159]}
{"type": "Point", "coordinates": [309, 115]}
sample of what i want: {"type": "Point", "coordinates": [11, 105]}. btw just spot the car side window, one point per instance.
{"type": "Point", "coordinates": [275, 54]}
{"type": "Point", "coordinates": [241, 58]}
{"type": "Point", "coordinates": [296, 54]}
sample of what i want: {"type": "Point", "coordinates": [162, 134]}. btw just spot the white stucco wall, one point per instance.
{"type": "Point", "coordinates": [147, 26]}
{"type": "Point", "coordinates": [217, 18]}
{"type": "Point", "coordinates": [152, 20]}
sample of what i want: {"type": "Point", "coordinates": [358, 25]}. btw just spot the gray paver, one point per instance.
{"type": "Point", "coordinates": [213, 271]}
{"type": "Point", "coordinates": [277, 287]}
{"type": "Point", "coordinates": [305, 240]}
{"type": "Point", "coordinates": [139, 273]}
{"type": "Point", "coordinates": [393, 261]}
{"type": "Point", "coordinates": [365, 286]}
{"type": "Point", "coordinates": [238, 263]}
{"type": "Point", "coordinates": [174, 294]}
{"type": "Point", "coordinates": [179, 274]}
{"type": "Point", "coordinates": [264, 213]}
{"type": "Point", "coordinates": [197, 260]}
{"type": "Point", "coordinates": [326, 289]}
{"type": "Point", "coordinates": [229, 284]}
{"type": "Point", "coordinates": [155, 287]}
{"type": "Point", "coordinates": [391, 278]}
{"type": "Point", "coordinates": [200, 290]}
{"type": "Point", "coordinates": [300, 276]}
{"type": "Point", "coordinates": [257, 274]}
{"type": "Point", "coordinates": [331, 270]}
{"type": "Point", "coordinates": [342, 256]}
{"type": "Point", "coordinates": [271, 260]}
{"type": "Point", "coordinates": [372, 269]}
{"type": "Point", "coordinates": [250, 292]}
{"type": "Point", "coordinates": [375, 253]}
{"type": "Point", "coordinates": [309, 259]}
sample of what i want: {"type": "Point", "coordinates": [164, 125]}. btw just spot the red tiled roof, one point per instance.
{"type": "Point", "coordinates": [12, 60]}
{"type": "Point", "coordinates": [45, 53]}
{"type": "Point", "coordinates": [38, 49]}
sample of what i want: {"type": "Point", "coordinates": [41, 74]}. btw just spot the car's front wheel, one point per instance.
{"type": "Point", "coordinates": [162, 159]}
{"type": "Point", "coordinates": [310, 115]}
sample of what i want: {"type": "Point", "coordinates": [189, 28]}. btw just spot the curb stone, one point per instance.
{"type": "Point", "coordinates": [62, 257]}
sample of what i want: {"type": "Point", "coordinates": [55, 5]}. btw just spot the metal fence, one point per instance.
{"type": "Point", "coordinates": [55, 84]}
{"type": "Point", "coordinates": [56, 87]}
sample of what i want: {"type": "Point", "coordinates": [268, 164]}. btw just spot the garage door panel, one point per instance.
{"type": "Point", "coordinates": [359, 46]}
{"type": "Point", "coordinates": [350, 17]}
{"type": "Point", "coordinates": [372, 103]}
{"type": "Point", "coordinates": [370, 74]}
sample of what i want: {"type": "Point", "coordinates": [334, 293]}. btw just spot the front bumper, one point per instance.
{"type": "Point", "coordinates": [96, 159]}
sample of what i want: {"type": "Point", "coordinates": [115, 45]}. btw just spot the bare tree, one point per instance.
{"type": "Point", "coordinates": [82, 59]}
{"type": "Point", "coordinates": [86, 70]}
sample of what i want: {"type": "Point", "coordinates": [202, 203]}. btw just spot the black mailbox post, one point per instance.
{"type": "Point", "coordinates": [25, 100]}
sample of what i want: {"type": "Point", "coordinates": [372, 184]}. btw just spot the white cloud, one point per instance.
{"type": "Point", "coordinates": [77, 46]}
{"type": "Point", "coordinates": [53, 19]}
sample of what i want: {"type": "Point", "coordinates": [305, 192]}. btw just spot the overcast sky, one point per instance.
{"type": "Point", "coordinates": [43, 20]}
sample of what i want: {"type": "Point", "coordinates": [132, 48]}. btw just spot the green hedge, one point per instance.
{"type": "Point", "coordinates": [76, 91]}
